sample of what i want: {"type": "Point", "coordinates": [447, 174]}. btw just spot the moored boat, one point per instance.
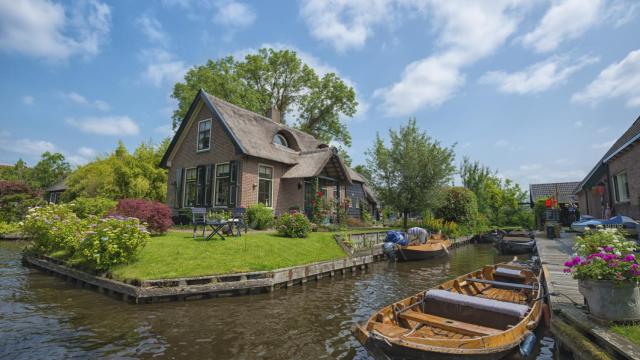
{"type": "Point", "coordinates": [485, 314]}
{"type": "Point", "coordinates": [430, 250]}
{"type": "Point", "coordinates": [516, 242]}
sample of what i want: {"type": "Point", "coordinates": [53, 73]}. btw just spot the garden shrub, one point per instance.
{"type": "Point", "coordinates": [15, 200]}
{"type": "Point", "coordinates": [259, 217]}
{"type": "Point", "coordinates": [365, 213]}
{"type": "Point", "coordinates": [156, 215]}
{"type": "Point", "coordinates": [112, 241]}
{"type": "Point", "coordinates": [53, 228]}
{"type": "Point", "coordinates": [354, 222]}
{"type": "Point", "coordinates": [9, 228]}
{"type": "Point", "coordinates": [84, 207]}
{"type": "Point", "coordinates": [293, 225]}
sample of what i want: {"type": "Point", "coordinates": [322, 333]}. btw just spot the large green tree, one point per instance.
{"type": "Point", "coordinates": [274, 78]}
{"type": "Point", "coordinates": [122, 175]}
{"type": "Point", "coordinates": [409, 173]}
{"type": "Point", "coordinates": [51, 168]}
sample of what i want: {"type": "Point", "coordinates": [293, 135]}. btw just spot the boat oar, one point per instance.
{"type": "Point", "coordinates": [445, 248]}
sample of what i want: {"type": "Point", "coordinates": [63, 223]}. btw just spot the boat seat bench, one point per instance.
{"type": "Point", "coordinates": [448, 324]}
{"type": "Point", "coordinates": [479, 303]}
{"type": "Point", "coordinates": [501, 284]}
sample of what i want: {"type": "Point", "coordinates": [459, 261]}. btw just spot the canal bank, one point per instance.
{"type": "Point", "coordinates": [46, 317]}
{"type": "Point", "coordinates": [585, 336]}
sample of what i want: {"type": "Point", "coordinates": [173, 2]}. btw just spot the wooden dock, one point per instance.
{"type": "Point", "coordinates": [586, 337]}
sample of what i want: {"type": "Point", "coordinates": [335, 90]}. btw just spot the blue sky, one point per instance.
{"type": "Point", "coordinates": [535, 89]}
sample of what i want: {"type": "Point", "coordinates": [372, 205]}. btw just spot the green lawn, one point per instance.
{"type": "Point", "coordinates": [177, 254]}
{"type": "Point", "coordinates": [631, 332]}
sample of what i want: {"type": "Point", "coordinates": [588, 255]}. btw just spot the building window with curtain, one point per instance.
{"type": "Point", "coordinates": [191, 187]}
{"type": "Point", "coordinates": [265, 185]}
{"type": "Point", "coordinates": [621, 187]}
{"type": "Point", "coordinates": [222, 185]}
{"type": "Point", "coordinates": [204, 135]}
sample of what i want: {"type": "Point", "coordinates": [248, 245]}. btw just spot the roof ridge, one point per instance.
{"type": "Point", "coordinates": [260, 116]}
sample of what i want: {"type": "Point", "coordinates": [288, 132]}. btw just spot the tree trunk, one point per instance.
{"type": "Point", "coordinates": [405, 221]}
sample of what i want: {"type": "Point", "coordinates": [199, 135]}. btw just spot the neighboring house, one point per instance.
{"type": "Point", "coordinates": [54, 193]}
{"type": "Point", "coordinates": [226, 156]}
{"type": "Point", "coordinates": [612, 187]}
{"type": "Point", "coordinates": [563, 192]}
{"type": "Point", "coordinates": [360, 196]}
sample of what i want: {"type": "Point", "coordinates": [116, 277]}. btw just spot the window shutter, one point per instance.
{"type": "Point", "coordinates": [209, 186]}
{"type": "Point", "coordinates": [201, 181]}
{"type": "Point", "coordinates": [616, 189]}
{"type": "Point", "coordinates": [233, 183]}
{"type": "Point", "coordinates": [179, 189]}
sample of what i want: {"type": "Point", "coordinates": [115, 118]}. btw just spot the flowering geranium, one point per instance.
{"type": "Point", "coordinates": [604, 255]}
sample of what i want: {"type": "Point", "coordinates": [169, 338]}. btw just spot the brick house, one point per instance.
{"type": "Point", "coordinates": [614, 182]}
{"type": "Point", "coordinates": [224, 156]}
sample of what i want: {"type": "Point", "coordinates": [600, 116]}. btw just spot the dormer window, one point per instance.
{"type": "Point", "coordinates": [204, 135]}
{"type": "Point", "coordinates": [279, 139]}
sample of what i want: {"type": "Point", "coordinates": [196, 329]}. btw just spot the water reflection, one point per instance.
{"type": "Point", "coordinates": [42, 316]}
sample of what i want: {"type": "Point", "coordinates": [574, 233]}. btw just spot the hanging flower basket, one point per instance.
{"type": "Point", "coordinates": [608, 274]}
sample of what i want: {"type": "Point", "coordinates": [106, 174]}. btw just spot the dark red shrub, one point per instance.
{"type": "Point", "coordinates": [14, 187]}
{"type": "Point", "coordinates": [156, 214]}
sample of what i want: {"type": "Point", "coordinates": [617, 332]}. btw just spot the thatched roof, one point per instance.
{"type": "Point", "coordinates": [59, 186]}
{"type": "Point", "coordinates": [563, 190]}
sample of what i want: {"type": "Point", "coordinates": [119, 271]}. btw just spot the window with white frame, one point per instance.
{"type": "Point", "coordinates": [222, 184]}
{"type": "Point", "coordinates": [621, 187]}
{"type": "Point", "coordinates": [190, 187]}
{"type": "Point", "coordinates": [265, 185]}
{"type": "Point", "coordinates": [204, 135]}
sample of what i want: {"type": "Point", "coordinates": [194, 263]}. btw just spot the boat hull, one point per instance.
{"type": "Point", "coordinates": [423, 252]}
{"type": "Point", "coordinates": [516, 247]}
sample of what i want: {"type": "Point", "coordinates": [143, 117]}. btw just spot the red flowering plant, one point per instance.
{"type": "Point", "coordinates": [604, 254]}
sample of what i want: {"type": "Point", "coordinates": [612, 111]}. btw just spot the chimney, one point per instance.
{"type": "Point", "coordinates": [274, 114]}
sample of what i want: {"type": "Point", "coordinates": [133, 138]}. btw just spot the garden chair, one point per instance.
{"type": "Point", "coordinates": [199, 217]}
{"type": "Point", "coordinates": [237, 220]}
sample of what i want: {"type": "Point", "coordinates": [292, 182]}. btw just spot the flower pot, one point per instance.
{"type": "Point", "coordinates": [610, 301]}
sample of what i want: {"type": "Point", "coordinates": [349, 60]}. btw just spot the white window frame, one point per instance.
{"type": "Point", "coordinates": [272, 181]}
{"type": "Point", "coordinates": [284, 139]}
{"type": "Point", "coordinates": [215, 182]}
{"type": "Point", "coordinates": [184, 185]}
{"type": "Point", "coordinates": [198, 135]}
{"type": "Point", "coordinates": [621, 190]}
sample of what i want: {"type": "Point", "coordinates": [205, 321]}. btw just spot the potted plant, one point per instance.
{"type": "Point", "coordinates": [608, 274]}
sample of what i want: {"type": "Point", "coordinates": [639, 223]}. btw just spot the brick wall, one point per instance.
{"type": "Point", "coordinates": [628, 163]}
{"type": "Point", "coordinates": [222, 150]}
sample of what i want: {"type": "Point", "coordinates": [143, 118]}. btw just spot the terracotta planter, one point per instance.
{"type": "Point", "coordinates": [610, 301]}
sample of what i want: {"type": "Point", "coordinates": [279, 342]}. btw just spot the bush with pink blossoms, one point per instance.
{"type": "Point", "coordinates": [604, 255]}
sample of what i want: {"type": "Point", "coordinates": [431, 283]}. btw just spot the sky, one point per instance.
{"type": "Point", "coordinates": [537, 90]}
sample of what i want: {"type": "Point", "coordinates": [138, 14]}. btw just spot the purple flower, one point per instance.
{"type": "Point", "coordinates": [607, 248]}
{"type": "Point", "coordinates": [567, 270]}
{"type": "Point", "coordinates": [608, 257]}
{"type": "Point", "coordinates": [629, 258]}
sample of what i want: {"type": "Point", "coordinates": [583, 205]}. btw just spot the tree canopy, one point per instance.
{"type": "Point", "coordinates": [122, 175]}
{"type": "Point", "coordinates": [274, 78]}
{"type": "Point", "coordinates": [409, 173]}
{"type": "Point", "coordinates": [51, 168]}
{"type": "Point", "coordinates": [498, 199]}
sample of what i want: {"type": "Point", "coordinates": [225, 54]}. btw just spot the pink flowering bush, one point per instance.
{"type": "Point", "coordinates": [604, 255]}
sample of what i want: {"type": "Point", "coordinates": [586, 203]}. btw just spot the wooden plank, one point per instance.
{"type": "Point", "coordinates": [389, 330]}
{"type": "Point", "coordinates": [449, 325]}
{"type": "Point", "coordinates": [501, 284]}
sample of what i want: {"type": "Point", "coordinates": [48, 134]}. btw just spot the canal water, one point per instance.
{"type": "Point", "coordinates": [43, 317]}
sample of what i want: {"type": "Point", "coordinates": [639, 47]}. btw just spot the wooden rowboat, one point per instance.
{"type": "Point", "coordinates": [516, 242]}
{"type": "Point", "coordinates": [430, 250]}
{"type": "Point", "coordinates": [485, 314]}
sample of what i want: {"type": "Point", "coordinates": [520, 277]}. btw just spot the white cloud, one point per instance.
{"type": "Point", "coordinates": [502, 143]}
{"type": "Point", "coordinates": [87, 152]}
{"type": "Point", "coordinates": [24, 146]}
{"type": "Point", "coordinates": [603, 145]}
{"type": "Point", "coordinates": [233, 13]}
{"type": "Point", "coordinates": [578, 123]}
{"type": "Point", "coordinates": [82, 156]}
{"type": "Point", "coordinates": [28, 100]}
{"type": "Point", "coordinates": [538, 77]}
{"type": "Point", "coordinates": [618, 80]}
{"type": "Point", "coordinates": [165, 130]}
{"type": "Point", "coordinates": [565, 20]}
{"type": "Point", "coordinates": [107, 125]}
{"type": "Point", "coordinates": [345, 24]}
{"type": "Point", "coordinates": [468, 32]}
{"type": "Point", "coordinates": [81, 100]}
{"type": "Point", "coordinates": [152, 29]}
{"type": "Point", "coordinates": [47, 30]}
{"type": "Point", "coordinates": [162, 67]}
